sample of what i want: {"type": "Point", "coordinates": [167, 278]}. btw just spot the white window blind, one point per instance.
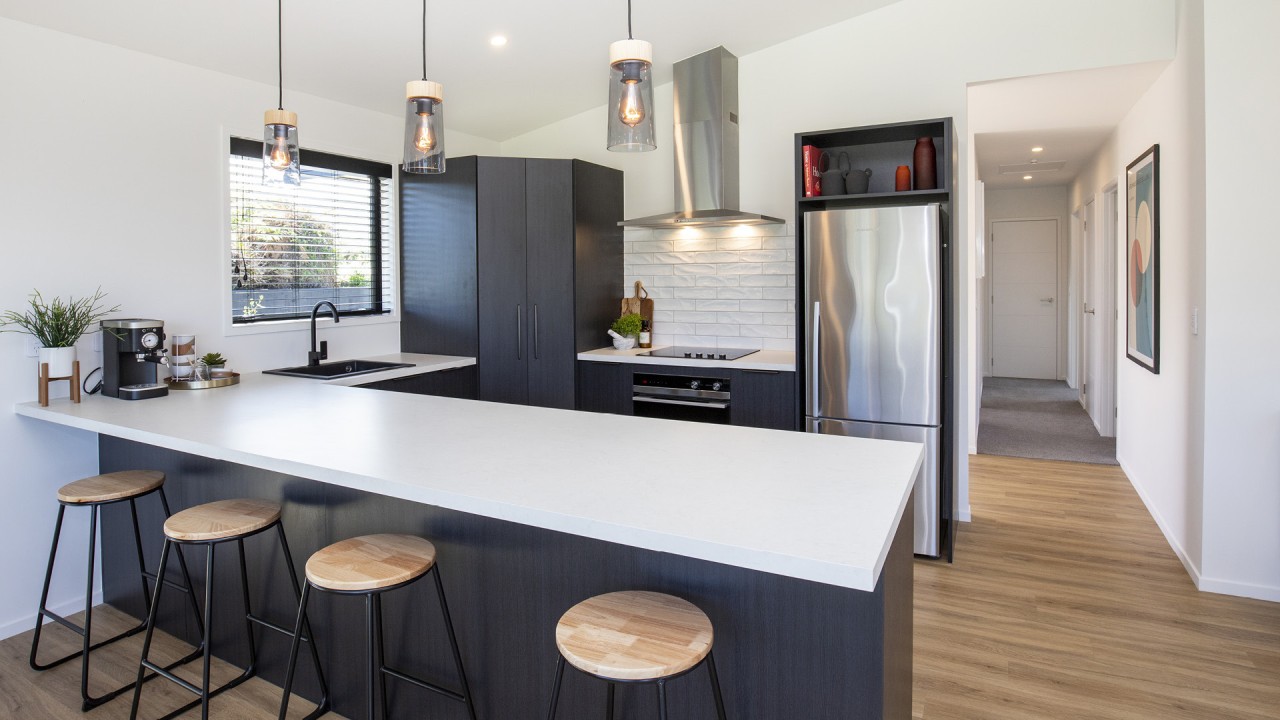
{"type": "Point", "coordinates": [292, 247]}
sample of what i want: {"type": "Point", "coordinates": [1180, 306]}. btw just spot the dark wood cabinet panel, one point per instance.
{"type": "Point", "coordinates": [500, 256]}
{"type": "Point", "coordinates": [605, 387]}
{"type": "Point", "coordinates": [549, 233]}
{"type": "Point", "coordinates": [597, 207]}
{"type": "Point", "coordinates": [764, 399]}
{"type": "Point", "coordinates": [453, 382]}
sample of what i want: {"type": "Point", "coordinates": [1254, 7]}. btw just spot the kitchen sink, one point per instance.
{"type": "Point", "coordinates": [339, 369]}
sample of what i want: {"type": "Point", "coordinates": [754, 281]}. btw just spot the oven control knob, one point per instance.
{"type": "Point", "coordinates": [715, 386]}
{"type": "Point", "coordinates": [724, 356]}
{"type": "Point", "coordinates": [694, 384]}
{"type": "Point", "coordinates": [688, 354]}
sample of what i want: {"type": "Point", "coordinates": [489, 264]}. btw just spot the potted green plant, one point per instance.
{"type": "Point", "coordinates": [215, 362]}
{"type": "Point", "coordinates": [625, 330]}
{"type": "Point", "coordinates": [57, 325]}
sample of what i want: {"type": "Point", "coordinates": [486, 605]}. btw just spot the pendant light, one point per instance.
{"type": "Point", "coordinates": [280, 160]}
{"type": "Point", "coordinates": [630, 94]}
{"type": "Point", "coordinates": [424, 119]}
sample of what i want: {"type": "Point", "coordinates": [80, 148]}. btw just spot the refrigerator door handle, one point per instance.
{"type": "Point", "coordinates": [814, 385]}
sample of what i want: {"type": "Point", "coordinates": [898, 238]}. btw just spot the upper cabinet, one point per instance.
{"type": "Point", "coordinates": [516, 262]}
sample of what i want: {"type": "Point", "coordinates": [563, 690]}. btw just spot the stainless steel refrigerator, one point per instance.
{"type": "Point", "coordinates": [877, 350]}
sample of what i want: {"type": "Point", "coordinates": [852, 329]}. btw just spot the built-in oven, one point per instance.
{"type": "Point", "coordinates": [681, 397]}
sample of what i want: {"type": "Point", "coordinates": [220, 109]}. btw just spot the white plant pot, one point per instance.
{"type": "Point", "coordinates": [61, 361]}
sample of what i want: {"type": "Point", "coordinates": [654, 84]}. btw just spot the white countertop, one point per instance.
{"type": "Point", "coordinates": [775, 360]}
{"type": "Point", "coordinates": [815, 507]}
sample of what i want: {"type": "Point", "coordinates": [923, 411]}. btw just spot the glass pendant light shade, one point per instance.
{"type": "Point", "coordinates": [631, 97]}
{"type": "Point", "coordinates": [280, 160]}
{"type": "Point", "coordinates": [423, 127]}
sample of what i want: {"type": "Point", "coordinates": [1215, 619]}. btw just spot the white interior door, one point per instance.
{"type": "Point", "coordinates": [1024, 297]}
{"type": "Point", "coordinates": [1091, 348]}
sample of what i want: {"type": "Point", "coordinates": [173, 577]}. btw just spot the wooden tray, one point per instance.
{"type": "Point", "coordinates": [224, 381]}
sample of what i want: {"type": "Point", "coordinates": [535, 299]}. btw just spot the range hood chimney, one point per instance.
{"type": "Point", "coordinates": [706, 146]}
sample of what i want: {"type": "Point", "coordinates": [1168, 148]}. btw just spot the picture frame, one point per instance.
{"type": "Point", "coordinates": [1142, 265]}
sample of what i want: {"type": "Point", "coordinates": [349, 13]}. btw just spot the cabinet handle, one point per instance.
{"type": "Point", "coordinates": [535, 331]}
{"type": "Point", "coordinates": [519, 332]}
{"type": "Point", "coordinates": [761, 372]}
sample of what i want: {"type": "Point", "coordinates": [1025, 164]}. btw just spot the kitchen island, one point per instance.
{"type": "Point", "coordinates": [797, 546]}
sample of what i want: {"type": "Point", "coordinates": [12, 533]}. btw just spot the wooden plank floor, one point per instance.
{"type": "Point", "coordinates": [55, 694]}
{"type": "Point", "coordinates": [1066, 601]}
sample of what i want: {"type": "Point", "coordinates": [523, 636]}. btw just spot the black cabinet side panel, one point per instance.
{"type": "Point", "coordinates": [453, 382]}
{"type": "Point", "coordinates": [549, 249]}
{"type": "Point", "coordinates": [597, 202]}
{"type": "Point", "coordinates": [764, 399]}
{"type": "Point", "coordinates": [500, 221]}
{"type": "Point", "coordinates": [605, 387]}
{"type": "Point", "coordinates": [438, 261]}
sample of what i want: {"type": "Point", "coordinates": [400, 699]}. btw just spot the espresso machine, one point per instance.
{"type": "Point", "coordinates": [132, 353]}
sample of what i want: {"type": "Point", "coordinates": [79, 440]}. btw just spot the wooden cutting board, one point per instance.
{"type": "Point", "coordinates": [640, 303]}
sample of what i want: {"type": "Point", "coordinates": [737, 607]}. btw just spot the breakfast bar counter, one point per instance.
{"type": "Point", "coordinates": [797, 546]}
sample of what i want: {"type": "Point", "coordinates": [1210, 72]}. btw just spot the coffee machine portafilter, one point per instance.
{"type": "Point", "coordinates": [132, 353]}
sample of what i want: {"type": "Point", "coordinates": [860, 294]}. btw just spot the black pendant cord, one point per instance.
{"type": "Point", "coordinates": [629, 35]}
{"type": "Point", "coordinates": [280, 51]}
{"type": "Point", "coordinates": [424, 39]}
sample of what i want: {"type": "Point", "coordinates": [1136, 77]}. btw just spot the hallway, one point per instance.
{"type": "Point", "coordinates": [1039, 419]}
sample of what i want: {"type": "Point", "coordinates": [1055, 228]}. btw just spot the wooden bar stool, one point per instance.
{"type": "Point", "coordinates": [635, 637]}
{"type": "Point", "coordinates": [371, 565]}
{"type": "Point", "coordinates": [94, 493]}
{"type": "Point", "coordinates": [210, 525]}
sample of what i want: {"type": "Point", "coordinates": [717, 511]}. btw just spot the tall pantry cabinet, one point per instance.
{"type": "Point", "coordinates": [515, 262]}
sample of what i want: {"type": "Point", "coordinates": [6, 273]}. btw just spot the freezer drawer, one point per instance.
{"type": "Point", "coordinates": [926, 492]}
{"type": "Point", "coordinates": [872, 314]}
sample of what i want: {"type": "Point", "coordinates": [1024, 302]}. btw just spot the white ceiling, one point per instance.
{"type": "Point", "coordinates": [1069, 114]}
{"type": "Point", "coordinates": [362, 53]}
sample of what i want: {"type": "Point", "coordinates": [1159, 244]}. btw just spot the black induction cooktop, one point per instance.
{"type": "Point", "coordinates": [699, 353]}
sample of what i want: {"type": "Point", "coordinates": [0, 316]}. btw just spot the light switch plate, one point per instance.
{"type": "Point", "coordinates": [1195, 321]}
{"type": "Point", "coordinates": [32, 346]}
{"type": "Point", "coordinates": [97, 342]}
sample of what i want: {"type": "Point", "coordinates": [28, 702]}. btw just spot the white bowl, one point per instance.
{"type": "Point", "coordinates": [180, 372]}
{"type": "Point", "coordinates": [624, 343]}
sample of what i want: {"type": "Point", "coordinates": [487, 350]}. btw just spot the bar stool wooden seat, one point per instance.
{"type": "Point", "coordinates": [212, 524]}
{"type": "Point", "coordinates": [635, 637]}
{"type": "Point", "coordinates": [371, 565]}
{"type": "Point", "coordinates": [95, 493]}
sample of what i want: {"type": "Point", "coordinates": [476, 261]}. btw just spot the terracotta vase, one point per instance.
{"type": "Point", "coordinates": [926, 162]}
{"type": "Point", "coordinates": [902, 181]}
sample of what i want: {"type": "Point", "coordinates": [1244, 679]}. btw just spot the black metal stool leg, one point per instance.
{"type": "Point", "coordinates": [151, 627]}
{"type": "Point", "coordinates": [323, 706]}
{"type": "Point", "coordinates": [186, 575]}
{"type": "Point", "coordinates": [662, 699]}
{"type": "Point", "coordinates": [293, 650]}
{"type": "Point", "coordinates": [453, 643]}
{"type": "Point", "coordinates": [608, 709]}
{"type": "Point", "coordinates": [137, 544]}
{"type": "Point", "coordinates": [715, 686]}
{"type": "Point", "coordinates": [248, 611]}
{"type": "Point", "coordinates": [382, 659]}
{"type": "Point", "coordinates": [208, 632]}
{"type": "Point", "coordinates": [555, 689]}
{"type": "Point", "coordinates": [44, 595]}
{"type": "Point", "coordinates": [88, 610]}
{"type": "Point", "coordinates": [370, 663]}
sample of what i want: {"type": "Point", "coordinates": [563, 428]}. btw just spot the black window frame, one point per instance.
{"type": "Point", "coordinates": [340, 163]}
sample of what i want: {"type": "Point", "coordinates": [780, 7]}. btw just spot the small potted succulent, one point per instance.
{"type": "Point", "coordinates": [216, 363]}
{"type": "Point", "coordinates": [57, 325]}
{"type": "Point", "coordinates": [625, 330]}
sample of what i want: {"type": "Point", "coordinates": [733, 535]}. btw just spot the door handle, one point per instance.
{"type": "Point", "coordinates": [813, 360]}
{"type": "Point", "coordinates": [535, 331]}
{"type": "Point", "coordinates": [1088, 310]}
{"type": "Point", "coordinates": [519, 332]}
{"type": "Point", "coordinates": [1047, 300]}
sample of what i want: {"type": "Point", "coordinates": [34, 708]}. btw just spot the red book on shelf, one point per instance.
{"type": "Point", "coordinates": [812, 176]}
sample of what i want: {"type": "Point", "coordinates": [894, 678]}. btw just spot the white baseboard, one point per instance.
{"type": "Point", "coordinates": [1176, 546]}
{"type": "Point", "coordinates": [964, 515]}
{"type": "Point", "coordinates": [1239, 589]}
{"type": "Point", "coordinates": [69, 607]}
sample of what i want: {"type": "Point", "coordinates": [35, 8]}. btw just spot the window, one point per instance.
{"type": "Point", "coordinates": [292, 247]}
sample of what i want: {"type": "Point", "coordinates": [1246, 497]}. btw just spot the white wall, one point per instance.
{"type": "Point", "coordinates": [1032, 204]}
{"type": "Point", "coordinates": [114, 177]}
{"type": "Point", "coordinates": [1240, 334]}
{"type": "Point", "coordinates": [907, 61]}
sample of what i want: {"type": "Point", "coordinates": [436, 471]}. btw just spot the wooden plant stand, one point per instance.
{"type": "Point", "coordinates": [45, 380]}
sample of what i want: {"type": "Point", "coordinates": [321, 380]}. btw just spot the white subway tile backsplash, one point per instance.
{"type": "Point", "coordinates": [694, 244]}
{"type": "Point", "coordinates": [679, 328]}
{"type": "Point", "coordinates": [780, 268]}
{"type": "Point", "coordinates": [778, 293]}
{"type": "Point", "coordinates": [739, 342]}
{"type": "Point", "coordinates": [650, 269]}
{"type": "Point", "coordinates": [764, 281]}
{"type": "Point", "coordinates": [778, 242]}
{"type": "Point", "coordinates": [637, 258]}
{"type": "Point", "coordinates": [667, 281]}
{"type": "Point", "coordinates": [762, 331]}
{"type": "Point", "coordinates": [663, 316]}
{"type": "Point", "coordinates": [719, 281]}
{"type": "Point", "coordinates": [718, 305]}
{"type": "Point", "coordinates": [740, 243]}
{"type": "Point", "coordinates": [766, 256]}
{"type": "Point", "coordinates": [671, 258]}
{"type": "Point", "coordinates": [718, 329]}
{"type": "Point", "coordinates": [695, 269]}
{"type": "Point", "coordinates": [777, 344]}
{"type": "Point", "coordinates": [765, 305]}
{"type": "Point", "coordinates": [678, 305]}
{"type": "Point", "coordinates": [685, 316]}
{"type": "Point", "coordinates": [694, 341]}
{"type": "Point", "coordinates": [699, 293]}
{"type": "Point", "coordinates": [739, 318]}
{"type": "Point", "coordinates": [740, 268]}
{"type": "Point", "coordinates": [739, 293]}
{"type": "Point", "coordinates": [651, 246]}
{"type": "Point", "coordinates": [777, 318]}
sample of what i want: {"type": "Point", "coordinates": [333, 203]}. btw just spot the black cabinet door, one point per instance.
{"type": "Point", "coordinates": [604, 387]}
{"type": "Point", "coordinates": [500, 238]}
{"type": "Point", "coordinates": [453, 382]}
{"type": "Point", "coordinates": [765, 399]}
{"type": "Point", "coordinates": [549, 242]}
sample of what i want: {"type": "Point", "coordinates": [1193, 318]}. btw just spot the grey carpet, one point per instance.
{"type": "Point", "coordinates": [1039, 419]}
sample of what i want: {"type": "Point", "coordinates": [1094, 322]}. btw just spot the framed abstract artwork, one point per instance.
{"type": "Point", "coordinates": [1142, 296]}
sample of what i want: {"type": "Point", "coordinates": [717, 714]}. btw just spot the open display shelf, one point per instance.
{"type": "Point", "coordinates": [882, 148]}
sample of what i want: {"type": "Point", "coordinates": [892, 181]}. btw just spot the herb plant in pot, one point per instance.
{"type": "Point", "coordinates": [215, 361]}
{"type": "Point", "coordinates": [57, 325]}
{"type": "Point", "coordinates": [625, 330]}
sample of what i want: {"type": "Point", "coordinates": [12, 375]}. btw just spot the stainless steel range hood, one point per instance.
{"type": "Point", "coordinates": [706, 146]}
